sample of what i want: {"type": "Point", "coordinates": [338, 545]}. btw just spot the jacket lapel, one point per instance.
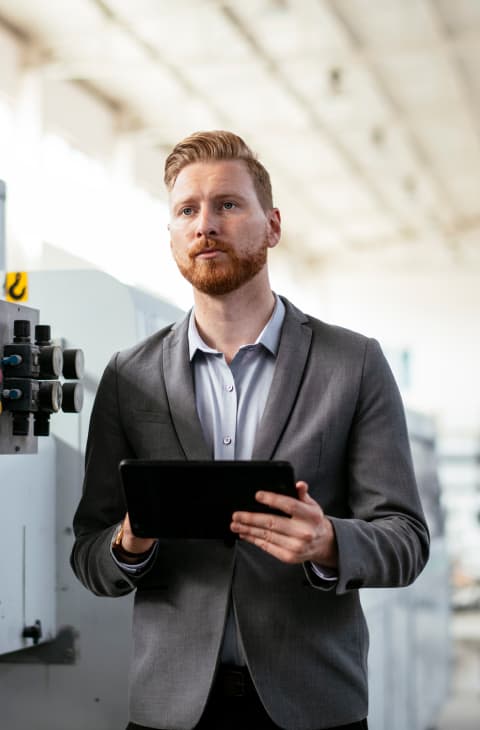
{"type": "Point", "coordinates": [180, 391]}
{"type": "Point", "coordinates": [291, 361]}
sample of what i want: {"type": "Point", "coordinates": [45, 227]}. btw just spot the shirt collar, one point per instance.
{"type": "Point", "coordinates": [269, 337]}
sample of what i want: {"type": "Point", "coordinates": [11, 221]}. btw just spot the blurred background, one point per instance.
{"type": "Point", "coordinates": [367, 115]}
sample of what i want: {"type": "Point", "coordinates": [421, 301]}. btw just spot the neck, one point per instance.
{"type": "Point", "coordinates": [232, 320]}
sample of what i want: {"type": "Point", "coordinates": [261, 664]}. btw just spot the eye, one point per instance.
{"type": "Point", "coordinates": [228, 205]}
{"type": "Point", "coordinates": [188, 210]}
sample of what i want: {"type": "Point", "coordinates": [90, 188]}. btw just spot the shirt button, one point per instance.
{"type": "Point", "coordinates": [227, 440]}
{"type": "Point", "coordinates": [229, 388]}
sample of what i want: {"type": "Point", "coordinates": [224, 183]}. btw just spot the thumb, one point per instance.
{"type": "Point", "coordinates": [303, 495]}
{"type": "Point", "coordinates": [302, 492]}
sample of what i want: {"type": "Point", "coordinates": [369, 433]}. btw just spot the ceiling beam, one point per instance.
{"type": "Point", "coordinates": [450, 53]}
{"type": "Point", "coordinates": [152, 53]}
{"type": "Point", "coordinates": [451, 42]}
{"type": "Point", "coordinates": [36, 54]}
{"type": "Point", "coordinates": [271, 66]}
{"type": "Point", "coordinates": [399, 115]}
{"type": "Point", "coordinates": [18, 33]}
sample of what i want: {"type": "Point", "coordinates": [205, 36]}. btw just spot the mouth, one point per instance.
{"type": "Point", "coordinates": [208, 253]}
{"type": "Point", "coordinates": [207, 249]}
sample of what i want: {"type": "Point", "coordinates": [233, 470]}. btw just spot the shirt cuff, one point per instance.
{"type": "Point", "coordinates": [135, 568]}
{"type": "Point", "coordinates": [323, 572]}
{"type": "Point", "coordinates": [317, 581]}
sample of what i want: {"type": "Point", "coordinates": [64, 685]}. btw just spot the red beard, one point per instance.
{"type": "Point", "coordinates": [215, 276]}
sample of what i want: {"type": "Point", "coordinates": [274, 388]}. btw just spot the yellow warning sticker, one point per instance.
{"type": "Point", "coordinates": [16, 286]}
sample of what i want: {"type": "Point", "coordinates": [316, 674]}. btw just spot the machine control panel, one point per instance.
{"type": "Point", "coordinates": [31, 366]}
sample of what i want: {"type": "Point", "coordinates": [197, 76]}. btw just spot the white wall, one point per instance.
{"type": "Point", "coordinates": [433, 315]}
{"type": "Point", "coordinates": [79, 180]}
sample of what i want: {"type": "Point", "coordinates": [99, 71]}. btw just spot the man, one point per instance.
{"type": "Point", "coordinates": [269, 632]}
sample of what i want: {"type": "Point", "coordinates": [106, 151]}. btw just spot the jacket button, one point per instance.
{"type": "Point", "coordinates": [121, 583]}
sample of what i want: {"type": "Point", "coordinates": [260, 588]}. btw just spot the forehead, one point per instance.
{"type": "Point", "coordinates": [213, 177]}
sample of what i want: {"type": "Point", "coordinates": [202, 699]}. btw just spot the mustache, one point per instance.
{"type": "Point", "coordinates": [208, 244]}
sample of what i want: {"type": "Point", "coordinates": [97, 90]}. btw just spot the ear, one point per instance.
{"type": "Point", "coordinates": [274, 230]}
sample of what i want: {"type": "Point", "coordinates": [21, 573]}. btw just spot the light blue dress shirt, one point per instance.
{"type": "Point", "coordinates": [230, 399]}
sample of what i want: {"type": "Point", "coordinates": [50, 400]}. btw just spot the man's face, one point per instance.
{"type": "Point", "coordinates": [219, 231]}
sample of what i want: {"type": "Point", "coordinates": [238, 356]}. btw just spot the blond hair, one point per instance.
{"type": "Point", "coordinates": [218, 145]}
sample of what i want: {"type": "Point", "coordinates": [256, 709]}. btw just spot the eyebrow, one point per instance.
{"type": "Point", "coordinates": [220, 196]}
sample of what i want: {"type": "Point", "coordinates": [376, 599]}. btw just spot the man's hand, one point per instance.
{"type": "Point", "coordinates": [133, 544]}
{"type": "Point", "coordinates": [307, 535]}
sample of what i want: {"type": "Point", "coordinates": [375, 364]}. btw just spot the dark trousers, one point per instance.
{"type": "Point", "coordinates": [234, 704]}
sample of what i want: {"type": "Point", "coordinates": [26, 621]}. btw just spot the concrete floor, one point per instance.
{"type": "Point", "coordinates": [462, 708]}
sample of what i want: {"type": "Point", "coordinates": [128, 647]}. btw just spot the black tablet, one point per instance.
{"type": "Point", "coordinates": [196, 499]}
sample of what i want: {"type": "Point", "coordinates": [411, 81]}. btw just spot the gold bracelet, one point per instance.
{"type": "Point", "coordinates": [117, 542]}
{"type": "Point", "coordinates": [122, 553]}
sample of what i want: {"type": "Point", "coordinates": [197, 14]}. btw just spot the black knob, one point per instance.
{"type": "Point", "coordinates": [73, 364]}
{"type": "Point", "coordinates": [51, 361]}
{"type": "Point", "coordinates": [49, 396]}
{"type": "Point", "coordinates": [41, 424]}
{"type": "Point", "coordinates": [33, 632]}
{"type": "Point", "coordinates": [43, 334]}
{"type": "Point", "coordinates": [21, 424]}
{"type": "Point", "coordinates": [21, 330]}
{"type": "Point", "coordinates": [72, 398]}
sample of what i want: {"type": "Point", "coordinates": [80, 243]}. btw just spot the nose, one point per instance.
{"type": "Point", "coordinates": [207, 223]}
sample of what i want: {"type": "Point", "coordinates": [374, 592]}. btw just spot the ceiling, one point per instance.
{"type": "Point", "coordinates": [366, 112]}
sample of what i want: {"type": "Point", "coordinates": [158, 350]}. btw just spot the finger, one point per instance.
{"type": "Point", "coordinates": [286, 552]}
{"type": "Point", "coordinates": [275, 529]}
{"type": "Point", "coordinates": [302, 515]}
{"type": "Point", "coordinates": [298, 526]}
{"type": "Point", "coordinates": [261, 535]}
{"type": "Point", "coordinates": [256, 520]}
{"type": "Point", "coordinates": [302, 489]}
{"type": "Point", "coordinates": [300, 508]}
{"type": "Point", "coordinates": [289, 505]}
{"type": "Point", "coordinates": [127, 527]}
{"type": "Point", "coordinates": [302, 492]}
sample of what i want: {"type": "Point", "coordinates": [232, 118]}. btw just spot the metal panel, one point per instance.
{"type": "Point", "coordinates": [27, 537]}
{"type": "Point", "coordinates": [409, 628]}
{"type": "Point", "coordinates": [409, 648]}
{"type": "Point", "coordinates": [27, 546]}
{"type": "Point", "coordinates": [10, 444]}
{"type": "Point", "coordinates": [92, 692]}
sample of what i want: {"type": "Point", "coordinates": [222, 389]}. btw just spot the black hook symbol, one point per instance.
{"type": "Point", "coordinates": [16, 295]}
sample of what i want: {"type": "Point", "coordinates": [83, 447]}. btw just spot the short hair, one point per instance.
{"type": "Point", "coordinates": [219, 145]}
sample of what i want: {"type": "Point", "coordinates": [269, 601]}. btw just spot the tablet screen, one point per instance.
{"type": "Point", "coordinates": [196, 499]}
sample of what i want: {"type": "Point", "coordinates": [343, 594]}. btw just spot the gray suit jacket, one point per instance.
{"type": "Point", "coordinates": [335, 413]}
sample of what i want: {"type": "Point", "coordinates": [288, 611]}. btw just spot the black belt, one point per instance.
{"type": "Point", "coordinates": [233, 681]}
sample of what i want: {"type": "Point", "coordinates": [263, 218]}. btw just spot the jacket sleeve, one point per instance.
{"type": "Point", "coordinates": [102, 506]}
{"type": "Point", "coordinates": [385, 542]}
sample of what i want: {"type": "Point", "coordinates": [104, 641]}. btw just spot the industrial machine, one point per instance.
{"type": "Point", "coordinates": [31, 369]}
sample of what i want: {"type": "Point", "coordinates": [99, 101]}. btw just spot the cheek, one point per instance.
{"type": "Point", "coordinates": [255, 236]}
{"type": "Point", "coordinates": [180, 230]}
{"type": "Point", "coordinates": [178, 245]}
